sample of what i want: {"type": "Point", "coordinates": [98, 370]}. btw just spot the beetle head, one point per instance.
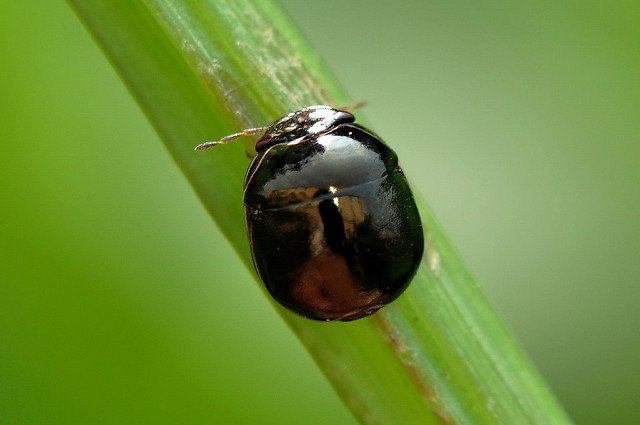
{"type": "Point", "coordinates": [301, 123]}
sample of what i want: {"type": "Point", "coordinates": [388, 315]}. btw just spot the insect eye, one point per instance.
{"type": "Point", "coordinates": [343, 117]}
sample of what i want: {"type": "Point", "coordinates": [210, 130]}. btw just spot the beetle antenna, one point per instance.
{"type": "Point", "coordinates": [352, 106]}
{"type": "Point", "coordinates": [226, 139]}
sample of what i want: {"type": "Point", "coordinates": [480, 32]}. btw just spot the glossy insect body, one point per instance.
{"type": "Point", "coordinates": [333, 227]}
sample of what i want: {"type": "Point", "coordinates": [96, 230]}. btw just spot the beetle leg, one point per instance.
{"type": "Point", "coordinates": [352, 106]}
{"type": "Point", "coordinates": [226, 139]}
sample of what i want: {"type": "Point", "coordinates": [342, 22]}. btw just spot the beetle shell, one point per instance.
{"type": "Point", "coordinates": [334, 231]}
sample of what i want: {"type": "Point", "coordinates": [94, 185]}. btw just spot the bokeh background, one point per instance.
{"type": "Point", "coordinates": [520, 123]}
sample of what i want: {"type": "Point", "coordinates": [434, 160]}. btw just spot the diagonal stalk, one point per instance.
{"type": "Point", "coordinates": [204, 69]}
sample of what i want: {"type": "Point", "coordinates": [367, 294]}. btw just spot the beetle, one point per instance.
{"type": "Point", "coordinates": [333, 228]}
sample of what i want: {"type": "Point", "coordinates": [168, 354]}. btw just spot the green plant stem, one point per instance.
{"type": "Point", "coordinates": [204, 69]}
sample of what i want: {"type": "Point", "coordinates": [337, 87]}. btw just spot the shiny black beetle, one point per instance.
{"type": "Point", "coordinates": [334, 231]}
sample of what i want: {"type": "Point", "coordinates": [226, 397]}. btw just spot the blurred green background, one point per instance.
{"type": "Point", "coordinates": [121, 303]}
